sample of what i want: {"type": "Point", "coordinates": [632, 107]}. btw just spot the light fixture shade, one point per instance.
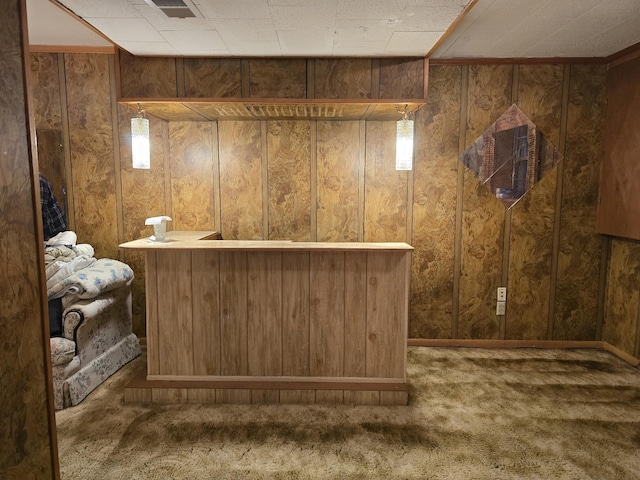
{"type": "Point", "coordinates": [140, 150]}
{"type": "Point", "coordinates": [404, 145]}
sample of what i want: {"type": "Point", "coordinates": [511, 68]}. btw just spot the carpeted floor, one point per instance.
{"type": "Point", "coordinates": [472, 414]}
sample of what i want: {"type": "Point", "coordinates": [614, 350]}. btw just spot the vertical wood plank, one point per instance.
{"type": "Point", "coordinates": [483, 215]}
{"type": "Point", "coordinates": [327, 313]}
{"type": "Point", "coordinates": [152, 332]}
{"type": "Point", "coordinates": [623, 296]}
{"type": "Point", "coordinates": [175, 312]}
{"type": "Point", "coordinates": [331, 397]}
{"type": "Point", "coordinates": [393, 398]}
{"type": "Point", "coordinates": [264, 313]}
{"type": "Point", "coordinates": [354, 397]}
{"type": "Point", "coordinates": [48, 121]}
{"type": "Point", "coordinates": [28, 447]}
{"type": "Point", "coordinates": [385, 187]}
{"type": "Point", "coordinates": [233, 313]}
{"type": "Point", "coordinates": [579, 255]}
{"type": "Point", "coordinates": [191, 158]}
{"type": "Point", "coordinates": [313, 187]}
{"type": "Point", "coordinates": [205, 266]}
{"type": "Point", "coordinates": [343, 78]}
{"type": "Point", "coordinates": [338, 164]}
{"type": "Point", "coordinates": [289, 157]}
{"type": "Point", "coordinates": [295, 313]}
{"type": "Point", "coordinates": [150, 77]}
{"type": "Point", "coordinates": [401, 78]}
{"type": "Point", "coordinates": [265, 397]}
{"type": "Point", "coordinates": [92, 156]}
{"type": "Point", "coordinates": [385, 314]}
{"type": "Point", "coordinates": [298, 396]}
{"type": "Point", "coordinates": [240, 396]}
{"type": "Point", "coordinates": [362, 165]}
{"type": "Point", "coordinates": [240, 180]}
{"type": "Point", "coordinates": [212, 77]}
{"type": "Point", "coordinates": [434, 205]}
{"type": "Point", "coordinates": [201, 395]}
{"type": "Point", "coordinates": [532, 218]}
{"type": "Point", "coordinates": [278, 78]}
{"type": "Point", "coordinates": [355, 314]}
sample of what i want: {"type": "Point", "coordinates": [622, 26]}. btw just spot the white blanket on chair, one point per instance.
{"type": "Point", "coordinates": [101, 275]}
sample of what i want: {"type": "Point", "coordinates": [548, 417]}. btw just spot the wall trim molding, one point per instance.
{"type": "Point", "coordinates": [544, 344]}
{"type": "Point", "coordinates": [71, 49]}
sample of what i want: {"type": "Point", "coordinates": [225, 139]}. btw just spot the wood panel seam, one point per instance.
{"type": "Point", "coordinates": [557, 221]}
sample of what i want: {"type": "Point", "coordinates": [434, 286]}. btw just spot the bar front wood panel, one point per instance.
{"type": "Point", "coordinates": [233, 313]}
{"type": "Point", "coordinates": [277, 314]}
{"type": "Point", "coordinates": [205, 268]}
{"type": "Point", "coordinates": [175, 313]}
{"type": "Point", "coordinates": [327, 314]}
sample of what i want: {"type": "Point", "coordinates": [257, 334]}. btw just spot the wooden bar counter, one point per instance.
{"type": "Point", "coordinates": [274, 321]}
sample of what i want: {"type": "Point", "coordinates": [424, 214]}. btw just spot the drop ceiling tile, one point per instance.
{"type": "Point", "coordinates": [203, 42]}
{"type": "Point", "coordinates": [371, 30]}
{"type": "Point", "coordinates": [314, 17]}
{"type": "Point", "coordinates": [299, 3]}
{"type": "Point", "coordinates": [126, 29]}
{"type": "Point", "coordinates": [50, 25]}
{"type": "Point", "coordinates": [223, 9]}
{"type": "Point", "coordinates": [365, 9]}
{"type": "Point", "coordinates": [437, 3]}
{"type": "Point", "coordinates": [257, 49]}
{"type": "Point", "coordinates": [427, 19]}
{"type": "Point", "coordinates": [359, 49]}
{"type": "Point", "coordinates": [149, 48]}
{"type": "Point", "coordinates": [407, 43]}
{"type": "Point", "coordinates": [246, 30]}
{"type": "Point", "coordinates": [306, 42]}
{"type": "Point", "coordinates": [100, 8]}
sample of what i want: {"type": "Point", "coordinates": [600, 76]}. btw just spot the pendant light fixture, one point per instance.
{"type": "Point", "coordinates": [140, 148]}
{"type": "Point", "coordinates": [404, 141]}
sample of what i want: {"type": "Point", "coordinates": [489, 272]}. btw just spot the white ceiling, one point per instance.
{"type": "Point", "coordinates": [346, 28]}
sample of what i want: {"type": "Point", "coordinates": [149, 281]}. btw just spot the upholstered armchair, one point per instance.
{"type": "Point", "coordinates": [97, 336]}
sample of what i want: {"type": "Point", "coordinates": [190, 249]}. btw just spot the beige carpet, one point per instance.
{"type": "Point", "coordinates": [473, 414]}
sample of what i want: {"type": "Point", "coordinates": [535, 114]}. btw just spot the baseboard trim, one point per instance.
{"type": "Point", "coordinates": [465, 343]}
{"type": "Point", "coordinates": [630, 359]}
{"type": "Point", "coordinates": [424, 342]}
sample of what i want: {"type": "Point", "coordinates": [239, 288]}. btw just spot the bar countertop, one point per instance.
{"type": "Point", "coordinates": [196, 240]}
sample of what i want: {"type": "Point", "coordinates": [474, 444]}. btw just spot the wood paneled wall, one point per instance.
{"type": "Point", "coordinates": [27, 422]}
{"type": "Point", "coordinates": [336, 181]}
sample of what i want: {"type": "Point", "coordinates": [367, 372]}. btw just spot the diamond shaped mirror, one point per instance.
{"type": "Point", "coordinates": [511, 156]}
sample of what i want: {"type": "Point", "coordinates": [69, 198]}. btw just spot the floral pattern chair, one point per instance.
{"type": "Point", "coordinates": [97, 333]}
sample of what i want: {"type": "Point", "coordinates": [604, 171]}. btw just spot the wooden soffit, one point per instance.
{"type": "Point", "coordinates": [204, 109]}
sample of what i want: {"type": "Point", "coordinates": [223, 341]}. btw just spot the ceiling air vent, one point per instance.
{"type": "Point", "coordinates": [176, 8]}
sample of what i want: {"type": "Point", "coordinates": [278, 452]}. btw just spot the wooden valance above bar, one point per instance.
{"type": "Point", "coordinates": [211, 109]}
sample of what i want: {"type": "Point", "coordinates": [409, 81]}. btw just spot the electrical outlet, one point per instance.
{"type": "Point", "coordinates": [501, 308]}
{"type": "Point", "coordinates": [502, 294]}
